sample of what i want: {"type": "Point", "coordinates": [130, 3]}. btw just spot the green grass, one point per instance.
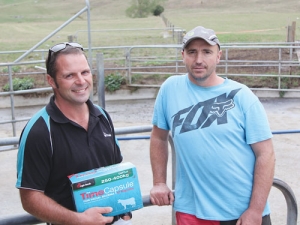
{"type": "Point", "coordinates": [24, 23]}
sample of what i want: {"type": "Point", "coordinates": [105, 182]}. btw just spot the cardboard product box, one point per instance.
{"type": "Point", "coordinates": [116, 186]}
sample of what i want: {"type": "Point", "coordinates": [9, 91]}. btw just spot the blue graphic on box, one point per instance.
{"type": "Point", "coordinates": [116, 186]}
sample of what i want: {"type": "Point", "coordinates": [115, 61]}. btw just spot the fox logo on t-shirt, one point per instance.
{"type": "Point", "coordinates": [212, 109]}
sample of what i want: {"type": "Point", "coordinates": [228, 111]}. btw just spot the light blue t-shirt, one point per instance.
{"type": "Point", "coordinates": [212, 128]}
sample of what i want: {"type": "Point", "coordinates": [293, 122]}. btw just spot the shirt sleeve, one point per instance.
{"type": "Point", "coordinates": [159, 117]}
{"type": "Point", "coordinates": [257, 124]}
{"type": "Point", "coordinates": [34, 156]}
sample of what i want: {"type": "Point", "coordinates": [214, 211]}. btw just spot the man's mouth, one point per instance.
{"type": "Point", "coordinates": [80, 90]}
{"type": "Point", "coordinates": [199, 68]}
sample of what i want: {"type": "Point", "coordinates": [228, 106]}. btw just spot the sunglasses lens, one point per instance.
{"type": "Point", "coordinates": [58, 47]}
{"type": "Point", "coordinates": [76, 45]}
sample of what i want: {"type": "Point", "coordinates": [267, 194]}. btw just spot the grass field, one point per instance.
{"type": "Point", "coordinates": [24, 23]}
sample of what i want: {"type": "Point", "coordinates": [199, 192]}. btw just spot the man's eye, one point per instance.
{"type": "Point", "coordinates": [192, 52]}
{"type": "Point", "coordinates": [86, 73]}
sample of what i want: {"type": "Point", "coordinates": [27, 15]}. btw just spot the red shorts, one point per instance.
{"type": "Point", "coordinates": [188, 219]}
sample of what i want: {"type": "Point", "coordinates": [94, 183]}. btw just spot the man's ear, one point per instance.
{"type": "Point", "coordinates": [51, 81]}
{"type": "Point", "coordinates": [219, 56]}
{"type": "Point", "coordinates": [182, 54]}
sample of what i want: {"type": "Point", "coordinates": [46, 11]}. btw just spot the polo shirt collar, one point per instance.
{"type": "Point", "coordinates": [59, 117]}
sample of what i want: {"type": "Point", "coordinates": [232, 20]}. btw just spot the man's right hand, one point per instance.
{"type": "Point", "coordinates": [161, 195]}
{"type": "Point", "coordinates": [91, 215]}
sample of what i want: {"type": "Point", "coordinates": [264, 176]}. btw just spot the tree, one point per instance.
{"type": "Point", "coordinates": [142, 8]}
{"type": "Point", "coordinates": [158, 10]}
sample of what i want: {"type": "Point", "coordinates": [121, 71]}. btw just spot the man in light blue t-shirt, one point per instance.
{"type": "Point", "coordinates": [224, 153]}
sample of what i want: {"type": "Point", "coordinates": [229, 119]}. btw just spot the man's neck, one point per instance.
{"type": "Point", "coordinates": [77, 113]}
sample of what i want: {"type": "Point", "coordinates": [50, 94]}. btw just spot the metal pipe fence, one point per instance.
{"type": "Point", "coordinates": [32, 49]}
{"type": "Point", "coordinates": [279, 184]}
{"type": "Point", "coordinates": [138, 63]}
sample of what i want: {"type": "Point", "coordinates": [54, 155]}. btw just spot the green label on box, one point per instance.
{"type": "Point", "coordinates": [114, 177]}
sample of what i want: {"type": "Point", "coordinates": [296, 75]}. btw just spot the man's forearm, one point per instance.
{"type": "Point", "coordinates": [263, 176]}
{"type": "Point", "coordinates": [263, 180]}
{"type": "Point", "coordinates": [159, 155]}
{"type": "Point", "coordinates": [46, 209]}
{"type": "Point", "coordinates": [159, 159]}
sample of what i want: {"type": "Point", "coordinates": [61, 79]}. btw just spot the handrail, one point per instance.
{"type": "Point", "coordinates": [20, 220]}
{"type": "Point", "coordinates": [29, 219]}
{"type": "Point", "coordinates": [292, 210]}
{"type": "Point", "coordinates": [126, 130]}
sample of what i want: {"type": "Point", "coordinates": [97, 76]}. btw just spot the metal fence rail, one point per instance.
{"type": "Point", "coordinates": [140, 62]}
{"type": "Point", "coordinates": [29, 219]}
{"type": "Point", "coordinates": [9, 66]}
{"type": "Point", "coordinates": [292, 208]}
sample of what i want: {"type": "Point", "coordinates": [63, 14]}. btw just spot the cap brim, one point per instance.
{"type": "Point", "coordinates": [207, 41]}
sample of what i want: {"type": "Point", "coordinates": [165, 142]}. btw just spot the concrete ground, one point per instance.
{"type": "Point", "coordinates": [283, 114]}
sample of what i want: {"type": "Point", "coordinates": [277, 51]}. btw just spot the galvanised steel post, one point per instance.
{"type": "Point", "coordinates": [90, 57]}
{"type": "Point", "coordinates": [12, 108]}
{"type": "Point", "coordinates": [101, 80]}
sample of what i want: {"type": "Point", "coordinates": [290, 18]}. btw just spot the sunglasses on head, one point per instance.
{"type": "Point", "coordinates": [61, 46]}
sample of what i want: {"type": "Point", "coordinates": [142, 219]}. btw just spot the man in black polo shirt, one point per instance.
{"type": "Point", "coordinates": [68, 136]}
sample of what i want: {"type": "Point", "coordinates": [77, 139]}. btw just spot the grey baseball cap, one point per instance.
{"type": "Point", "coordinates": [207, 35]}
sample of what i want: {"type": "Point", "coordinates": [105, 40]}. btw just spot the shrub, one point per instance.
{"type": "Point", "coordinates": [15, 69]}
{"type": "Point", "coordinates": [158, 10]}
{"type": "Point", "coordinates": [113, 82]}
{"type": "Point", "coordinates": [20, 84]}
{"type": "Point", "coordinates": [140, 10]}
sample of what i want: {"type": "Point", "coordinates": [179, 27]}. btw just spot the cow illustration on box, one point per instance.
{"type": "Point", "coordinates": [125, 202]}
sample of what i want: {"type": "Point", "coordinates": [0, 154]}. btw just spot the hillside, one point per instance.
{"type": "Point", "coordinates": [24, 23]}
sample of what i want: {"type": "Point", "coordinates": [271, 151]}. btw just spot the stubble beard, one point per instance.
{"type": "Point", "coordinates": [203, 77]}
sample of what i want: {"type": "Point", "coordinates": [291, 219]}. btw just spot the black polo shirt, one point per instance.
{"type": "Point", "coordinates": [53, 147]}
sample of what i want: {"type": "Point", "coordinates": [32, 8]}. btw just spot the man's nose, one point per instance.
{"type": "Point", "coordinates": [199, 57]}
{"type": "Point", "coordinates": [80, 79]}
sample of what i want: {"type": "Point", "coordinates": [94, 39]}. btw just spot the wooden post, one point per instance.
{"type": "Point", "coordinates": [291, 32]}
{"type": "Point", "coordinates": [288, 37]}
{"type": "Point", "coordinates": [70, 38]}
{"type": "Point", "coordinates": [291, 36]}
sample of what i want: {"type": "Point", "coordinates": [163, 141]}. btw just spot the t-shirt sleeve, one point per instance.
{"type": "Point", "coordinates": [34, 156]}
{"type": "Point", "coordinates": [159, 117]}
{"type": "Point", "coordinates": [257, 124]}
